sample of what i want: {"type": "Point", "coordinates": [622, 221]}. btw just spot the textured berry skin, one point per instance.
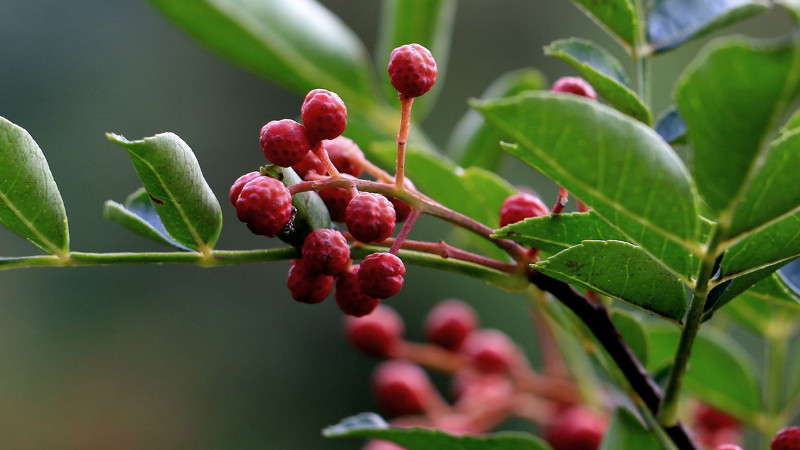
{"type": "Point", "coordinates": [326, 251]}
{"type": "Point", "coordinates": [449, 324]}
{"type": "Point", "coordinates": [370, 217]}
{"type": "Point", "coordinates": [377, 333]}
{"type": "Point", "coordinates": [521, 206]}
{"type": "Point", "coordinates": [489, 351]}
{"type": "Point", "coordinates": [310, 164]}
{"type": "Point", "coordinates": [786, 439]}
{"type": "Point", "coordinates": [238, 185]}
{"type": "Point", "coordinates": [576, 428]}
{"type": "Point", "coordinates": [349, 296]}
{"type": "Point", "coordinates": [265, 205]}
{"type": "Point", "coordinates": [381, 275]}
{"type": "Point", "coordinates": [574, 85]}
{"type": "Point", "coordinates": [345, 154]}
{"type": "Point", "coordinates": [306, 286]}
{"type": "Point", "coordinates": [284, 142]}
{"type": "Point", "coordinates": [336, 200]}
{"type": "Point", "coordinates": [402, 388]}
{"type": "Point", "coordinates": [412, 70]}
{"type": "Point", "coordinates": [324, 115]}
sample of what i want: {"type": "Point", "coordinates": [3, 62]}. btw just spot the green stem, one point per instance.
{"type": "Point", "coordinates": [641, 58]}
{"type": "Point", "coordinates": [668, 413]}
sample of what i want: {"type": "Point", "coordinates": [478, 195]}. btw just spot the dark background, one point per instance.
{"type": "Point", "coordinates": [182, 357]}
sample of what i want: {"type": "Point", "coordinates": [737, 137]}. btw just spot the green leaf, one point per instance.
{"type": "Point", "coordinates": [673, 22]}
{"type": "Point", "coordinates": [625, 432]}
{"type": "Point", "coordinates": [310, 211]}
{"type": "Point", "coordinates": [735, 112]}
{"type": "Point", "coordinates": [773, 192]}
{"type": "Point", "coordinates": [602, 70]}
{"type": "Point", "coordinates": [631, 327]}
{"type": "Point", "coordinates": [139, 215]}
{"type": "Point", "coordinates": [171, 174]}
{"type": "Point", "coordinates": [297, 43]}
{"type": "Point", "coordinates": [767, 306]}
{"type": "Point", "coordinates": [727, 290]}
{"type": "Point", "coordinates": [671, 127]}
{"type": "Point", "coordinates": [613, 163]}
{"type": "Point", "coordinates": [618, 17]}
{"type": "Point", "coordinates": [622, 271]}
{"type": "Point", "coordinates": [369, 425]}
{"type": "Point", "coordinates": [30, 204]}
{"type": "Point", "coordinates": [425, 22]}
{"type": "Point", "coordinates": [720, 372]}
{"type": "Point", "coordinates": [556, 232]}
{"type": "Point", "coordinates": [474, 192]}
{"type": "Point", "coordinates": [779, 243]}
{"type": "Point", "coordinates": [474, 142]}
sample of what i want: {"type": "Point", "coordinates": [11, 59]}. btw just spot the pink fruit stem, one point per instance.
{"type": "Point", "coordinates": [561, 201]}
{"type": "Point", "coordinates": [401, 236]}
{"type": "Point", "coordinates": [402, 137]}
{"type": "Point", "coordinates": [322, 154]}
{"type": "Point", "coordinates": [430, 356]}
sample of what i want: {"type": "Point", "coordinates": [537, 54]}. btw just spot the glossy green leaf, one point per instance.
{"type": "Point", "coordinates": [729, 289]}
{"type": "Point", "coordinates": [139, 215]}
{"type": "Point", "coordinates": [556, 232]}
{"type": "Point", "coordinates": [765, 307]}
{"type": "Point", "coordinates": [778, 243]}
{"type": "Point", "coordinates": [625, 432]}
{"type": "Point", "coordinates": [174, 182]}
{"type": "Point", "coordinates": [671, 127]}
{"type": "Point", "coordinates": [370, 425]}
{"type": "Point", "coordinates": [734, 112]}
{"type": "Point", "coordinates": [622, 271]}
{"type": "Point", "coordinates": [720, 372]}
{"type": "Point", "coordinates": [474, 192]}
{"type": "Point", "coordinates": [297, 43]}
{"type": "Point", "coordinates": [611, 162]}
{"type": "Point", "coordinates": [425, 22]}
{"type": "Point", "coordinates": [310, 211]}
{"type": "Point", "coordinates": [474, 142]}
{"type": "Point", "coordinates": [631, 327]}
{"type": "Point", "coordinates": [673, 22]}
{"type": "Point", "coordinates": [618, 17]}
{"type": "Point", "coordinates": [602, 70]}
{"type": "Point", "coordinates": [30, 203]}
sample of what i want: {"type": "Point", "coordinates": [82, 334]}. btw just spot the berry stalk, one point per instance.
{"type": "Point", "coordinates": [402, 138]}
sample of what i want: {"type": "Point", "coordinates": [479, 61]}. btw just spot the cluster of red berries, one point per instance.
{"type": "Point", "coordinates": [488, 370]}
{"type": "Point", "coordinates": [315, 150]}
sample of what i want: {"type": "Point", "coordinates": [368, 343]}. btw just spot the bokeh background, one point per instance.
{"type": "Point", "coordinates": [182, 357]}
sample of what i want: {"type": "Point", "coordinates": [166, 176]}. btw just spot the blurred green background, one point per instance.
{"type": "Point", "coordinates": [182, 357]}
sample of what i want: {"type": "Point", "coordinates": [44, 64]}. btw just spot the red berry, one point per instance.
{"type": "Point", "coordinates": [349, 296]}
{"type": "Point", "coordinates": [576, 428]}
{"type": "Point", "coordinates": [370, 217]}
{"type": "Point", "coordinates": [786, 439]}
{"type": "Point", "coordinates": [266, 205]}
{"type": "Point", "coordinates": [326, 251]}
{"type": "Point", "coordinates": [449, 323]}
{"type": "Point", "coordinates": [310, 164]}
{"type": "Point", "coordinates": [324, 115]}
{"type": "Point", "coordinates": [490, 351]}
{"type": "Point", "coordinates": [238, 185]}
{"type": "Point", "coordinates": [402, 387]}
{"type": "Point", "coordinates": [521, 206]}
{"type": "Point", "coordinates": [412, 70]}
{"type": "Point", "coordinates": [306, 286]}
{"type": "Point", "coordinates": [401, 209]}
{"type": "Point", "coordinates": [381, 275]}
{"type": "Point", "coordinates": [336, 200]}
{"type": "Point", "coordinates": [574, 85]}
{"type": "Point", "coordinates": [712, 419]}
{"type": "Point", "coordinates": [375, 444]}
{"type": "Point", "coordinates": [345, 155]}
{"type": "Point", "coordinates": [284, 142]}
{"type": "Point", "coordinates": [376, 333]}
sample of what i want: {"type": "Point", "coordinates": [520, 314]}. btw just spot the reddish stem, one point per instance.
{"type": "Point", "coordinates": [402, 137]}
{"type": "Point", "coordinates": [561, 201]}
{"type": "Point", "coordinates": [429, 356]}
{"type": "Point", "coordinates": [401, 236]}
